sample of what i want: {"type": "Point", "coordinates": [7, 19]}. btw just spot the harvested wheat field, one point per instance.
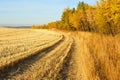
{"type": "Point", "coordinates": [31, 54]}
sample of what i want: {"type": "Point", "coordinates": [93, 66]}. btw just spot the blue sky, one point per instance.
{"type": "Point", "coordinates": [28, 12]}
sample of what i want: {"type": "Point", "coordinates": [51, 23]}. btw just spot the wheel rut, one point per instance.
{"type": "Point", "coordinates": [49, 66]}
{"type": "Point", "coordinates": [22, 65]}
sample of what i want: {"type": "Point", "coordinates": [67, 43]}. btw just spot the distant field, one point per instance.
{"type": "Point", "coordinates": [31, 54]}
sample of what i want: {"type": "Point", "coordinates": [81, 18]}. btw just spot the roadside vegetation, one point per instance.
{"type": "Point", "coordinates": [98, 56]}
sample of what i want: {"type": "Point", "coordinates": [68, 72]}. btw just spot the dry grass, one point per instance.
{"type": "Point", "coordinates": [101, 56]}
{"type": "Point", "coordinates": [47, 67]}
{"type": "Point", "coordinates": [16, 44]}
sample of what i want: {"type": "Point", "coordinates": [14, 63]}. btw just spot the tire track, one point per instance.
{"type": "Point", "coordinates": [49, 66]}
{"type": "Point", "coordinates": [80, 68]}
{"type": "Point", "coordinates": [63, 73]}
{"type": "Point", "coordinates": [22, 65]}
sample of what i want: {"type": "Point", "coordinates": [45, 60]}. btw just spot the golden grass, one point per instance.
{"type": "Point", "coordinates": [48, 67]}
{"type": "Point", "coordinates": [101, 56]}
{"type": "Point", "coordinates": [17, 44]}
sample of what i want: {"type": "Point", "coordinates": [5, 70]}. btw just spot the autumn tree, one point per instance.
{"type": "Point", "coordinates": [33, 26]}
{"type": "Point", "coordinates": [66, 18]}
{"type": "Point", "coordinates": [91, 11]}
{"type": "Point", "coordinates": [108, 16]}
{"type": "Point", "coordinates": [78, 19]}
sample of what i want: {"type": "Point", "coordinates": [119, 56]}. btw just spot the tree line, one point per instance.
{"type": "Point", "coordinates": [104, 17]}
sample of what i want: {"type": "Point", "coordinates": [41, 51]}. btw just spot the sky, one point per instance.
{"type": "Point", "coordinates": [37, 12]}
